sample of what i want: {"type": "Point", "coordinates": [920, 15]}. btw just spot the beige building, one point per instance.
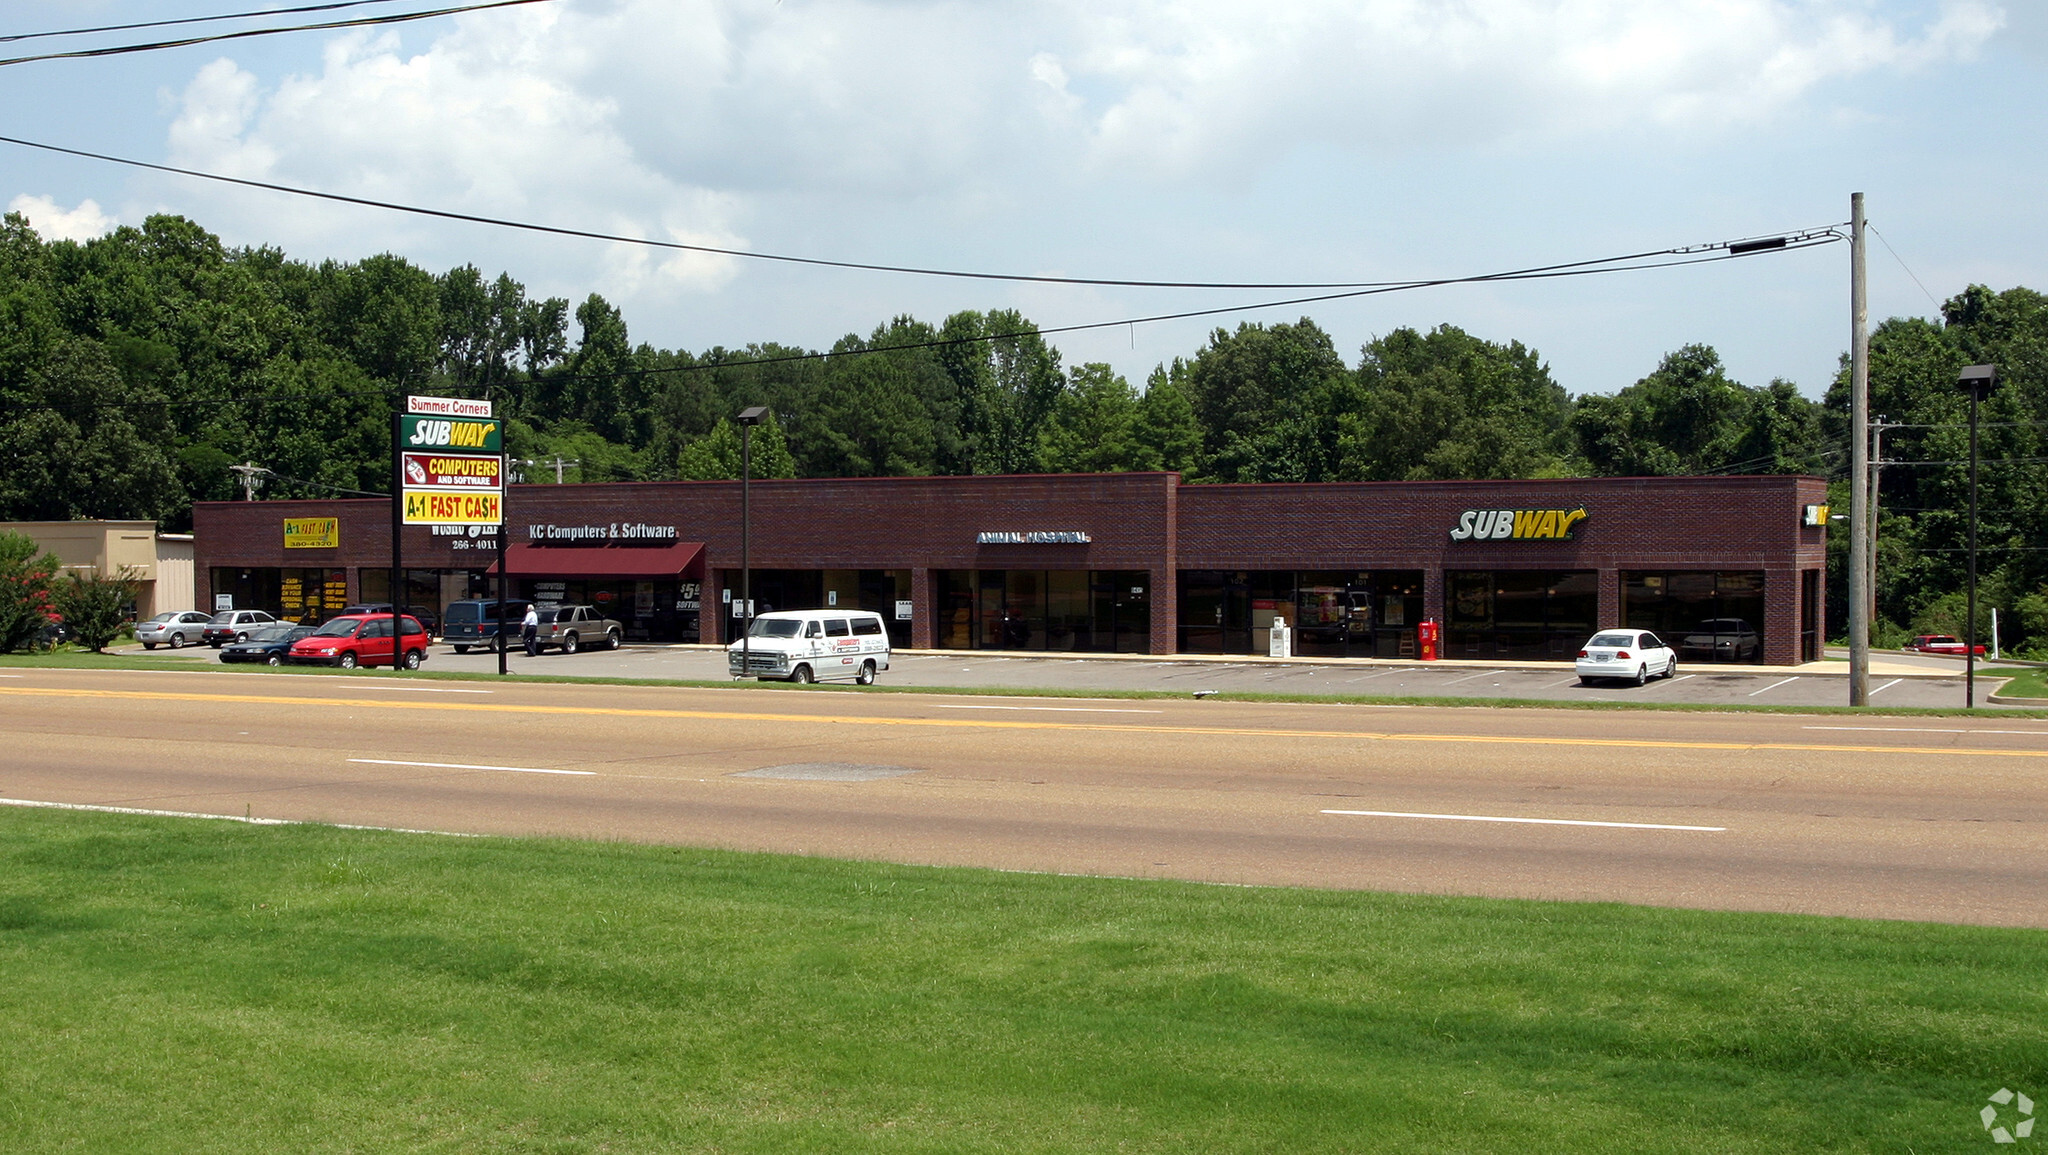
{"type": "Point", "coordinates": [160, 562]}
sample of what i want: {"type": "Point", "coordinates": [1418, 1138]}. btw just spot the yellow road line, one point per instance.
{"type": "Point", "coordinates": [999, 724]}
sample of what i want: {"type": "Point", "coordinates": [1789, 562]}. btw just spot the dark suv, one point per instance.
{"type": "Point", "coordinates": [475, 623]}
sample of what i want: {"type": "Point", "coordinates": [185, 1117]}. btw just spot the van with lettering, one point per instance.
{"type": "Point", "coordinates": [812, 646]}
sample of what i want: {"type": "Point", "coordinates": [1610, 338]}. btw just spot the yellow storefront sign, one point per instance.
{"type": "Point", "coordinates": [312, 533]}
{"type": "Point", "coordinates": [440, 507]}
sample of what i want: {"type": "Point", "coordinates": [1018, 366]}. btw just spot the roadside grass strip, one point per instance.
{"type": "Point", "coordinates": [184, 985]}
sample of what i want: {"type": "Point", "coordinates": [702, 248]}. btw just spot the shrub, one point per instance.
{"type": "Point", "coordinates": [25, 581]}
{"type": "Point", "coordinates": [95, 608]}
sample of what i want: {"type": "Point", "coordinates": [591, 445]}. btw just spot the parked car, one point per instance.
{"type": "Point", "coordinates": [1626, 655]}
{"type": "Point", "coordinates": [233, 626]}
{"type": "Point", "coordinates": [1730, 639]}
{"type": "Point", "coordinates": [570, 628]}
{"type": "Point", "coordinates": [175, 628]}
{"type": "Point", "coordinates": [1941, 644]}
{"type": "Point", "coordinates": [268, 645]}
{"type": "Point", "coordinates": [360, 640]}
{"type": "Point", "coordinates": [812, 645]}
{"type": "Point", "coordinates": [426, 615]}
{"type": "Point", "coordinates": [475, 623]}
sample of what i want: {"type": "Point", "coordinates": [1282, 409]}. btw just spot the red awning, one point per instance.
{"type": "Point", "coordinates": [677, 559]}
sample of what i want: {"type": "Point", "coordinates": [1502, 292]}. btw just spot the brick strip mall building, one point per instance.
{"type": "Point", "coordinates": [1130, 562]}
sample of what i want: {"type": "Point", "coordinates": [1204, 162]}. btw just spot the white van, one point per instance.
{"type": "Point", "coordinates": [813, 646]}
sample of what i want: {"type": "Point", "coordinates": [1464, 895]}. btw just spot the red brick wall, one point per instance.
{"type": "Point", "coordinates": [1138, 521]}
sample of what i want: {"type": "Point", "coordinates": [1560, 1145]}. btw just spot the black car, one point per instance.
{"type": "Point", "coordinates": [475, 623]}
{"type": "Point", "coordinates": [268, 645]}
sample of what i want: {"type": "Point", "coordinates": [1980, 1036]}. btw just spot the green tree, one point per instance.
{"type": "Point", "coordinates": [1168, 433]}
{"type": "Point", "coordinates": [1266, 397]}
{"type": "Point", "coordinates": [25, 579]}
{"type": "Point", "coordinates": [1685, 417]}
{"type": "Point", "coordinates": [1447, 405]}
{"type": "Point", "coordinates": [84, 444]}
{"type": "Point", "coordinates": [1093, 428]}
{"type": "Point", "coordinates": [95, 607]}
{"type": "Point", "coordinates": [716, 455]}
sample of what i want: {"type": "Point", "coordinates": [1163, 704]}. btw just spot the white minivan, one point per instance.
{"type": "Point", "coordinates": [812, 646]}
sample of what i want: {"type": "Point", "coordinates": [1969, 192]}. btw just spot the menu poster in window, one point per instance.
{"type": "Point", "coordinates": [1396, 612]}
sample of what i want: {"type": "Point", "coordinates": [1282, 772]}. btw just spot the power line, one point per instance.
{"type": "Point", "coordinates": [191, 20]}
{"type": "Point", "coordinates": [357, 22]}
{"type": "Point", "coordinates": [1902, 264]}
{"type": "Point", "coordinates": [1799, 238]}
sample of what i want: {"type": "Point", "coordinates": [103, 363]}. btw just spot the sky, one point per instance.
{"type": "Point", "coordinates": [1210, 140]}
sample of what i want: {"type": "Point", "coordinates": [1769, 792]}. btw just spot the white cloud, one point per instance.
{"type": "Point", "coordinates": [59, 224]}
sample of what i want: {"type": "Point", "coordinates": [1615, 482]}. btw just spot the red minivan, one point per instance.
{"type": "Point", "coordinates": [360, 640]}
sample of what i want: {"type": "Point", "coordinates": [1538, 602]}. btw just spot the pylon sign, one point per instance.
{"type": "Point", "coordinates": [450, 469]}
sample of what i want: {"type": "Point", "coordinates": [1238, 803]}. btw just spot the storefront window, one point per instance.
{"type": "Point", "coordinates": [1062, 610]}
{"type": "Point", "coordinates": [1350, 613]}
{"type": "Point", "coordinates": [1524, 614]}
{"type": "Point", "coordinates": [1710, 615]}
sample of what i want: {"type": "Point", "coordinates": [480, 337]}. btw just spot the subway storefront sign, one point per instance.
{"type": "Point", "coordinates": [417, 432]}
{"type": "Point", "coordinates": [436, 507]}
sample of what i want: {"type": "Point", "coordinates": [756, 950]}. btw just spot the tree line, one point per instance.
{"type": "Point", "coordinates": [138, 368]}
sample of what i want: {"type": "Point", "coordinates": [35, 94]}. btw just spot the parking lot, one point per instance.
{"type": "Point", "coordinates": [1896, 679]}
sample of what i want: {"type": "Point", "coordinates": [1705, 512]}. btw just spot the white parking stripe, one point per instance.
{"type": "Point", "coordinates": [462, 766]}
{"type": "Point", "coordinates": [1887, 685]}
{"type": "Point", "coordinates": [1530, 821]}
{"type": "Point", "coordinates": [1469, 677]}
{"type": "Point", "coordinates": [1774, 685]}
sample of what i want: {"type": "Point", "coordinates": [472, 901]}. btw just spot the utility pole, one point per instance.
{"type": "Point", "coordinates": [252, 478]}
{"type": "Point", "coordinates": [1861, 519]}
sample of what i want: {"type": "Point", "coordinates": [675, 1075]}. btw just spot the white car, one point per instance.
{"type": "Point", "coordinates": [173, 629]}
{"type": "Point", "coordinates": [1629, 655]}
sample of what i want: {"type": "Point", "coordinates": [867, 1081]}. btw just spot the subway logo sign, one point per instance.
{"type": "Point", "coordinates": [1517, 524]}
{"type": "Point", "coordinates": [416, 432]}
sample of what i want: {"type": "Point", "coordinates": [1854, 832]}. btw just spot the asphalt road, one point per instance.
{"type": "Point", "coordinates": [1932, 819]}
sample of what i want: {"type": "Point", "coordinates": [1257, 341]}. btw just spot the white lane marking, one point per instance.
{"type": "Point", "coordinates": [1469, 677]}
{"type": "Point", "coordinates": [1887, 685]}
{"type": "Point", "coordinates": [1531, 821]}
{"type": "Point", "coordinates": [1364, 677]}
{"type": "Point", "coordinates": [1555, 685]}
{"type": "Point", "coordinates": [1054, 709]}
{"type": "Point", "coordinates": [463, 766]}
{"type": "Point", "coordinates": [13, 675]}
{"type": "Point", "coordinates": [1774, 685]}
{"type": "Point", "coordinates": [35, 805]}
{"type": "Point", "coordinates": [1681, 678]}
{"type": "Point", "coordinates": [1926, 730]}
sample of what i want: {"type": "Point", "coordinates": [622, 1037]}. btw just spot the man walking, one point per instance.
{"type": "Point", "coordinates": [529, 630]}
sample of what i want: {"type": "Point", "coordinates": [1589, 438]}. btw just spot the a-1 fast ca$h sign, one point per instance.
{"type": "Point", "coordinates": [446, 507]}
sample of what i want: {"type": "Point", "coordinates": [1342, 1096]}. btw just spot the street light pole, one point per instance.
{"type": "Point", "coordinates": [1978, 381]}
{"type": "Point", "coordinates": [1861, 520]}
{"type": "Point", "coordinates": [748, 418]}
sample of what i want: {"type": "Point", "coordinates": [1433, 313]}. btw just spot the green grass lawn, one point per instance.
{"type": "Point", "coordinates": [2029, 683]}
{"type": "Point", "coordinates": [196, 985]}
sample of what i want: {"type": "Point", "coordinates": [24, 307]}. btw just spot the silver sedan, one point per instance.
{"type": "Point", "coordinates": [174, 629]}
